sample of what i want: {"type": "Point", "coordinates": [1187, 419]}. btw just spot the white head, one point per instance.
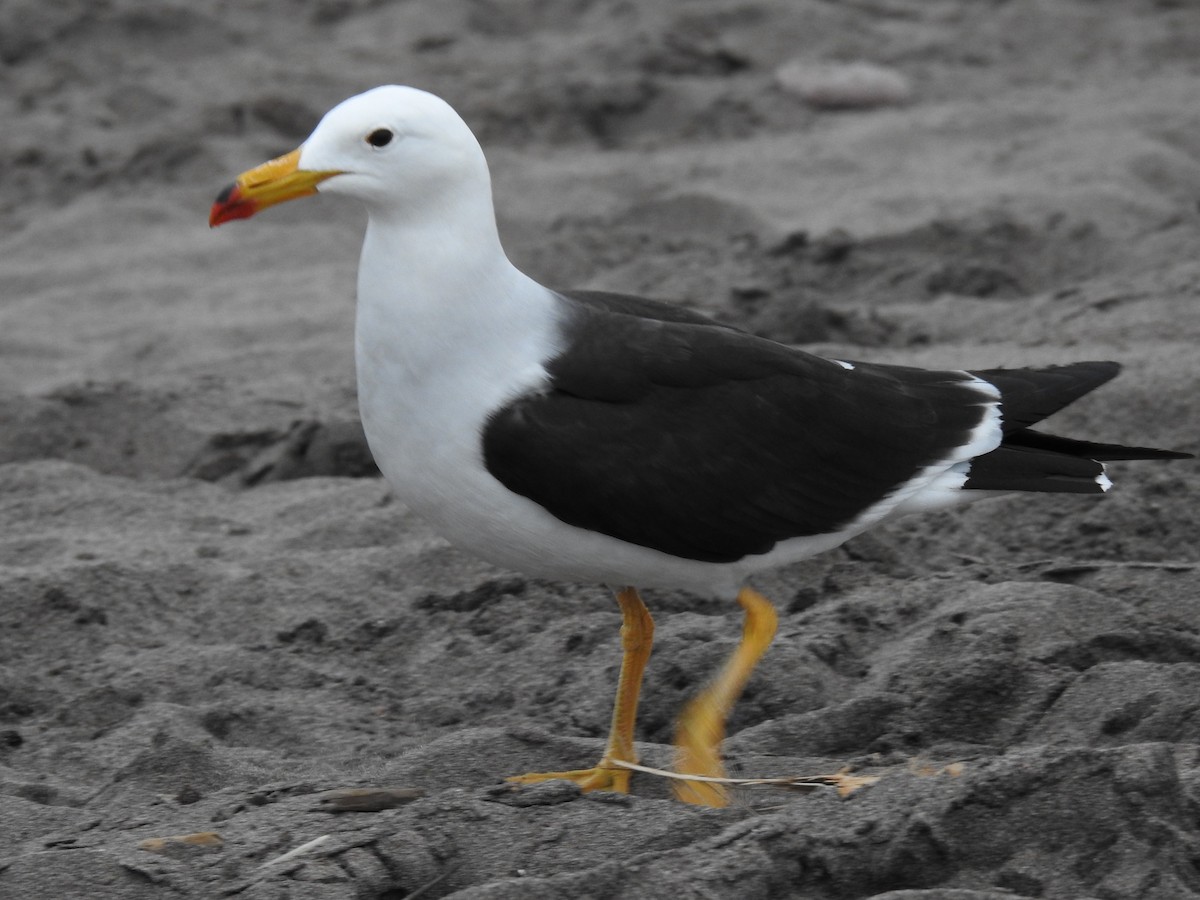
{"type": "Point", "coordinates": [401, 151]}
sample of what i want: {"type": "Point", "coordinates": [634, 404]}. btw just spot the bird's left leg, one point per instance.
{"type": "Point", "coordinates": [637, 639]}
{"type": "Point", "coordinates": [701, 725]}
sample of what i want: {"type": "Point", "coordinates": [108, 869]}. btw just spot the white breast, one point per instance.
{"type": "Point", "coordinates": [435, 357]}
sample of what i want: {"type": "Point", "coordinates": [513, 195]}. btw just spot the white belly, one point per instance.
{"type": "Point", "coordinates": [425, 435]}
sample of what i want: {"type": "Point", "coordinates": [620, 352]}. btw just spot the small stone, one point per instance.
{"type": "Point", "coordinates": [856, 85]}
{"type": "Point", "coordinates": [184, 846]}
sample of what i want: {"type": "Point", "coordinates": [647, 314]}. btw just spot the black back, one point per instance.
{"type": "Point", "coordinates": [666, 430]}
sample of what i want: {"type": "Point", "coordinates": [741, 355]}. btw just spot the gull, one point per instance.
{"type": "Point", "coordinates": [588, 436]}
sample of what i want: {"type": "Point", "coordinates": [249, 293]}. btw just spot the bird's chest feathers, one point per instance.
{"type": "Point", "coordinates": [432, 367]}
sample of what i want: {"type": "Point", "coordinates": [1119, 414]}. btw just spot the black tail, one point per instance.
{"type": "Point", "coordinates": [1032, 461]}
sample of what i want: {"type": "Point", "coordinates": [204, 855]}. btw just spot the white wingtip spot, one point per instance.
{"type": "Point", "coordinates": [843, 363]}
{"type": "Point", "coordinates": [1104, 482]}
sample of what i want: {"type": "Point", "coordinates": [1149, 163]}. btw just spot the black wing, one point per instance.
{"type": "Point", "coordinates": [1028, 460]}
{"type": "Point", "coordinates": [669, 431]}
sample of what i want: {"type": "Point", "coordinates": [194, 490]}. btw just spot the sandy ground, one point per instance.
{"type": "Point", "coordinates": [208, 614]}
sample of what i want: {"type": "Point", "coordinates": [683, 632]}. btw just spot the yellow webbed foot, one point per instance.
{"type": "Point", "coordinates": [601, 777]}
{"type": "Point", "coordinates": [702, 724]}
{"type": "Point", "coordinates": [698, 752]}
{"type": "Point", "coordinates": [637, 638]}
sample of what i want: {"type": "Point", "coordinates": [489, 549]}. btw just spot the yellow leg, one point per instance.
{"type": "Point", "coordinates": [701, 726]}
{"type": "Point", "coordinates": [637, 639]}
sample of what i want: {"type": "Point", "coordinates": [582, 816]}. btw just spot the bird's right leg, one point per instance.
{"type": "Point", "coordinates": [701, 725]}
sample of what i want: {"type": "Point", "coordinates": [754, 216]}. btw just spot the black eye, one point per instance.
{"type": "Point", "coordinates": [380, 137]}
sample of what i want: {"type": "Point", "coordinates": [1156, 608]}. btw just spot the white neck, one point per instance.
{"type": "Point", "coordinates": [447, 329]}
